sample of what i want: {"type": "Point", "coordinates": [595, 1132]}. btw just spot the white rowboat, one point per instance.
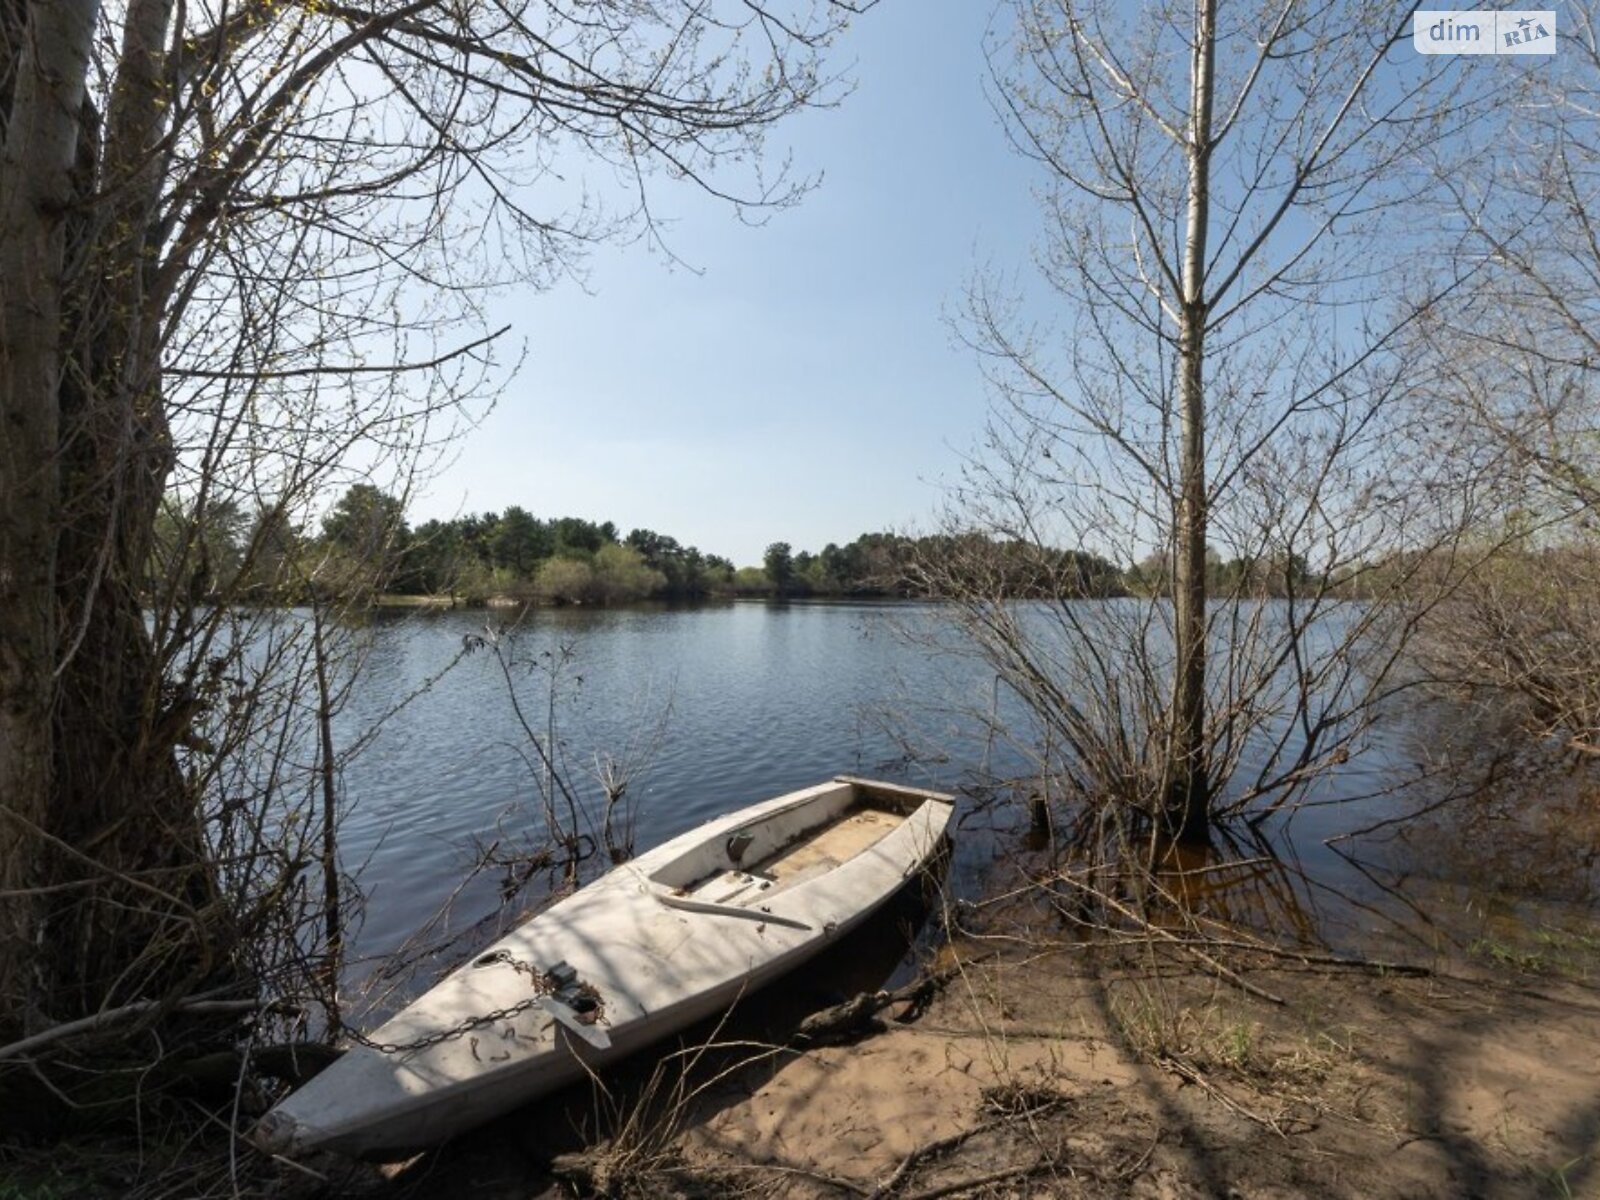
{"type": "Point", "coordinates": [651, 947]}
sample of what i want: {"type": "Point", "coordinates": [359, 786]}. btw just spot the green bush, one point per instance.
{"type": "Point", "coordinates": [620, 574]}
{"type": "Point", "coordinates": [565, 581]}
{"type": "Point", "coordinates": [751, 581]}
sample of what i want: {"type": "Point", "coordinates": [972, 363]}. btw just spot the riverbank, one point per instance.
{"type": "Point", "coordinates": [1043, 1066]}
{"type": "Point", "coordinates": [1051, 1078]}
{"type": "Point", "coordinates": [1035, 1077]}
{"type": "Point", "coordinates": [1059, 1061]}
{"type": "Point", "coordinates": [1046, 1068]}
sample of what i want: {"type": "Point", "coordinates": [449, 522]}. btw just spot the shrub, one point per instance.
{"type": "Point", "coordinates": [565, 581]}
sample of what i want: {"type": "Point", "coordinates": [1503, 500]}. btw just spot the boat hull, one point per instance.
{"type": "Point", "coordinates": [672, 937]}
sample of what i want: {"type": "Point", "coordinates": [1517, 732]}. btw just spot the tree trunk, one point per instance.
{"type": "Point", "coordinates": [1187, 799]}
{"type": "Point", "coordinates": [98, 819]}
{"type": "Point", "coordinates": [43, 66]}
{"type": "Point", "coordinates": [136, 922]}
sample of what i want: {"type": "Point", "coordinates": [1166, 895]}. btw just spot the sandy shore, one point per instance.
{"type": "Point", "coordinates": [1052, 1071]}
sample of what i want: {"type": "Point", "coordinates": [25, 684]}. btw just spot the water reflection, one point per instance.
{"type": "Point", "coordinates": [762, 701]}
{"type": "Point", "coordinates": [1234, 883]}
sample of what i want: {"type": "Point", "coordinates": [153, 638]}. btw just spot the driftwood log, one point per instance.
{"type": "Point", "coordinates": [858, 1016]}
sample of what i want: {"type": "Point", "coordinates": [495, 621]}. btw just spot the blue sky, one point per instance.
{"type": "Point", "coordinates": [804, 386]}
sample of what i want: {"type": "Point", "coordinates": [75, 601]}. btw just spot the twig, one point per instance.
{"type": "Point", "coordinates": [1136, 1167]}
{"type": "Point", "coordinates": [1377, 965]}
{"type": "Point", "coordinates": [776, 1166]}
{"type": "Point", "coordinates": [949, 1189]}
{"type": "Point", "coordinates": [945, 1144]}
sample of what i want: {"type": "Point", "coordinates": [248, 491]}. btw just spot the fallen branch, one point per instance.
{"type": "Point", "coordinates": [850, 1186]}
{"type": "Point", "coordinates": [1206, 961]}
{"type": "Point", "coordinates": [217, 1073]}
{"type": "Point", "coordinates": [856, 1017]}
{"type": "Point", "coordinates": [1192, 1074]}
{"type": "Point", "coordinates": [113, 1016]}
{"type": "Point", "coordinates": [775, 1166]}
{"type": "Point", "coordinates": [946, 1144]}
{"type": "Point", "coordinates": [1377, 966]}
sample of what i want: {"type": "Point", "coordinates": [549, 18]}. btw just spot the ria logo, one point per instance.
{"type": "Point", "coordinates": [1483, 31]}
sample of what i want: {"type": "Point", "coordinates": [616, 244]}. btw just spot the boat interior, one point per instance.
{"type": "Point", "coordinates": [787, 847]}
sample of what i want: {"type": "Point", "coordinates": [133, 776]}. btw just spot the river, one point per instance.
{"type": "Point", "coordinates": [718, 706]}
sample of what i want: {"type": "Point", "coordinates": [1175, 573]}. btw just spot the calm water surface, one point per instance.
{"type": "Point", "coordinates": [755, 699]}
{"type": "Point", "coordinates": [752, 700]}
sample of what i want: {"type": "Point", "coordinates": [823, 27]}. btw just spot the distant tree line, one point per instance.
{"type": "Point", "coordinates": [888, 564]}
{"type": "Point", "coordinates": [365, 543]}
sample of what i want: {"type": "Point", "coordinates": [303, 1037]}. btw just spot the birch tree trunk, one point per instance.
{"type": "Point", "coordinates": [1188, 786]}
{"type": "Point", "coordinates": [1221, 401]}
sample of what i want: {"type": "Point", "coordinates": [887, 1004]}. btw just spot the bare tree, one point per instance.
{"type": "Point", "coordinates": [1520, 350]}
{"type": "Point", "coordinates": [246, 254]}
{"type": "Point", "coordinates": [1517, 359]}
{"type": "Point", "coordinates": [1226, 191]}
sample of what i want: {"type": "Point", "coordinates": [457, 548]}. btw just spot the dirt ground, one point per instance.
{"type": "Point", "coordinates": [1180, 1087]}
{"type": "Point", "coordinates": [1044, 1071]}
